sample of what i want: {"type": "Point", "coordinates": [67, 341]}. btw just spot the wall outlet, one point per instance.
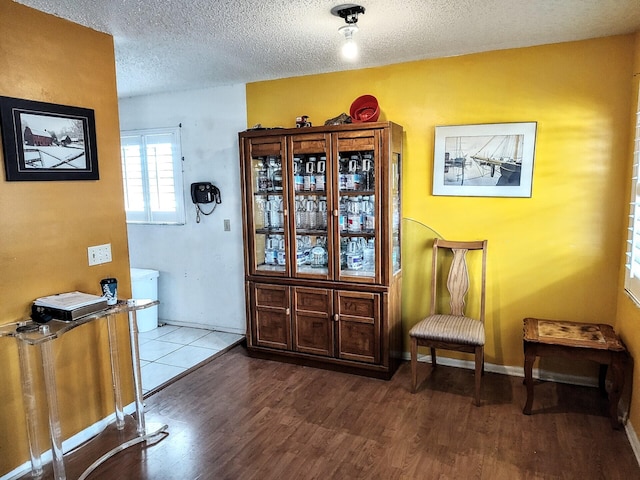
{"type": "Point", "coordinates": [227, 225]}
{"type": "Point", "coordinates": [99, 254]}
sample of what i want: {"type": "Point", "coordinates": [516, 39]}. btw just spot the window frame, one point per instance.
{"type": "Point", "coordinates": [632, 264]}
{"type": "Point", "coordinates": [150, 215]}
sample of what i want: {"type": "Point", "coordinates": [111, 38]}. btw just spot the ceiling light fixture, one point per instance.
{"type": "Point", "coordinates": [349, 13]}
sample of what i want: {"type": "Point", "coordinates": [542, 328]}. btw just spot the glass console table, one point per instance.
{"type": "Point", "coordinates": [33, 335]}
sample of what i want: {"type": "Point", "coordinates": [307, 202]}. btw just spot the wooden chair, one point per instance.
{"type": "Point", "coordinates": [452, 331]}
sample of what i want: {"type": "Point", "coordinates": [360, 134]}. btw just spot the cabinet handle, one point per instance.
{"type": "Point", "coordinates": [284, 212]}
{"type": "Point", "coordinates": [287, 312]}
{"type": "Point", "coordinates": [335, 213]}
{"type": "Point", "coordinates": [336, 317]}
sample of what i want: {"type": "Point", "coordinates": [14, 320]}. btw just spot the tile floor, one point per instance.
{"type": "Point", "coordinates": [169, 350]}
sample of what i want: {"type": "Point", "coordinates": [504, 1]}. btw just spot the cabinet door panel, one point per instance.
{"type": "Point", "coordinates": [362, 143]}
{"type": "Point", "coordinates": [272, 296]}
{"type": "Point", "coordinates": [313, 300]}
{"type": "Point", "coordinates": [310, 143]}
{"type": "Point", "coordinates": [313, 323]}
{"type": "Point", "coordinates": [272, 325]}
{"type": "Point", "coordinates": [358, 341]}
{"type": "Point", "coordinates": [358, 326]}
{"type": "Point", "coordinates": [261, 147]}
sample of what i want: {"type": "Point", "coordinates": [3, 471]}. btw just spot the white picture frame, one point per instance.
{"type": "Point", "coordinates": [484, 160]}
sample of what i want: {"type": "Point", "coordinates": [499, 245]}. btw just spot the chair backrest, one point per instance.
{"type": "Point", "coordinates": [458, 278]}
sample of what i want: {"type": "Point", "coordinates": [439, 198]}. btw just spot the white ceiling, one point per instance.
{"type": "Point", "coordinates": [165, 45]}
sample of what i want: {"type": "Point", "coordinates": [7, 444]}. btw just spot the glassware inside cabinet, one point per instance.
{"type": "Point", "coordinates": [310, 172]}
{"type": "Point", "coordinates": [357, 213]}
{"type": "Point", "coordinates": [311, 234]}
{"type": "Point", "coordinates": [311, 213]}
{"type": "Point", "coordinates": [268, 213]}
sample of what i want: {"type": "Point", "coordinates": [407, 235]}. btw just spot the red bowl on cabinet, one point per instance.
{"type": "Point", "coordinates": [365, 109]}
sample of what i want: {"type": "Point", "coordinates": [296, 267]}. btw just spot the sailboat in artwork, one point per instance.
{"type": "Point", "coordinates": [504, 153]}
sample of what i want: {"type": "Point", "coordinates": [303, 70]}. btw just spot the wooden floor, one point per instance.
{"type": "Point", "coordinates": [244, 418]}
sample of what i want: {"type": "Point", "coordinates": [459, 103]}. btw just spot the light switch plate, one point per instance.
{"type": "Point", "coordinates": [99, 254]}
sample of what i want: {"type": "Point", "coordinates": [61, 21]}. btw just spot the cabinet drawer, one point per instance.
{"type": "Point", "coordinates": [272, 296]}
{"type": "Point", "coordinates": [362, 305]}
{"type": "Point", "coordinates": [313, 300]}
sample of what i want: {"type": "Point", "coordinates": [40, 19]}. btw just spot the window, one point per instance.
{"type": "Point", "coordinates": [632, 277]}
{"type": "Point", "coordinates": [152, 175]}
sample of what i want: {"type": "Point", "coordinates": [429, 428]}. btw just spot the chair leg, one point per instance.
{"type": "Point", "coordinates": [433, 357]}
{"type": "Point", "coordinates": [478, 372]}
{"type": "Point", "coordinates": [414, 364]}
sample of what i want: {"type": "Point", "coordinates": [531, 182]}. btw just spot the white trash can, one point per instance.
{"type": "Point", "coordinates": [144, 284]}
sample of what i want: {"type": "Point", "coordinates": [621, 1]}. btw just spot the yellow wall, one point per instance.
{"type": "Point", "coordinates": [628, 313]}
{"type": "Point", "coordinates": [554, 255]}
{"type": "Point", "coordinates": [46, 227]}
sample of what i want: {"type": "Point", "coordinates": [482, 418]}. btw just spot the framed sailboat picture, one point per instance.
{"type": "Point", "coordinates": [485, 160]}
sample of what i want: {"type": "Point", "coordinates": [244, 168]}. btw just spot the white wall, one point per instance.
{"type": "Point", "coordinates": [200, 265]}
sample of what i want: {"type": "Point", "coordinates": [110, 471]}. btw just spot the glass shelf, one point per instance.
{"type": "Point", "coordinates": [53, 329]}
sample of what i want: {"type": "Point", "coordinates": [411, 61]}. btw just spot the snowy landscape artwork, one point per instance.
{"type": "Point", "coordinates": [45, 141]}
{"type": "Point", "coordinates": [53, 142]}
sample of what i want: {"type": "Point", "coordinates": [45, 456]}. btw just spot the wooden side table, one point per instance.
{"type": "Point", "coordinates": [596, 342]}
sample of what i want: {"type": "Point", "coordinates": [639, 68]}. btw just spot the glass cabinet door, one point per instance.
{"type": "Point", "coordinates": [311, 205]}
{"type": "Point", "coordinates": [267, 186]}
{"type": "Point", "coordinates": [358, 208]}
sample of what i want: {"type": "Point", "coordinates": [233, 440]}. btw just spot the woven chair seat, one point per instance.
{"type": "Point", "coordinates": [449, 328]}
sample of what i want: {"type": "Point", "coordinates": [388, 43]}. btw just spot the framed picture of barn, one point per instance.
{"type": "Point", "coordinates": [46, 141]}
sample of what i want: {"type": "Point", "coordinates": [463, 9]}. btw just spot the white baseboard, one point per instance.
{"type": "Point", "coordinates": [69, 444]}
{"type": "Point", "coordinates": [510, 370]}
{"type": "Point", "coordinates": [541, 375]}
{"type": "Point", "coordinates": [633, 439]}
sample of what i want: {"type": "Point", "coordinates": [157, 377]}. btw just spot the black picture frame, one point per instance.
{"type": "Point", "coordinates": [47, 141]}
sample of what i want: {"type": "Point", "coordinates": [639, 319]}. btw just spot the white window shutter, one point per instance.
{"type": "Point", "coordinates": [152, 175]}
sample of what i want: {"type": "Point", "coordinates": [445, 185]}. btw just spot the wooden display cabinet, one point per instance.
{"type": "Point", "coordinates": [321, 211]}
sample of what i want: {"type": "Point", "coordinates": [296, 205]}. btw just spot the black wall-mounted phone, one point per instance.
{"type": "Point", "coordinates": [205, 192]}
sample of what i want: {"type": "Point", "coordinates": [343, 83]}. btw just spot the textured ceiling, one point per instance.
{"type": "Point", "coordinates": [165, 45]}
